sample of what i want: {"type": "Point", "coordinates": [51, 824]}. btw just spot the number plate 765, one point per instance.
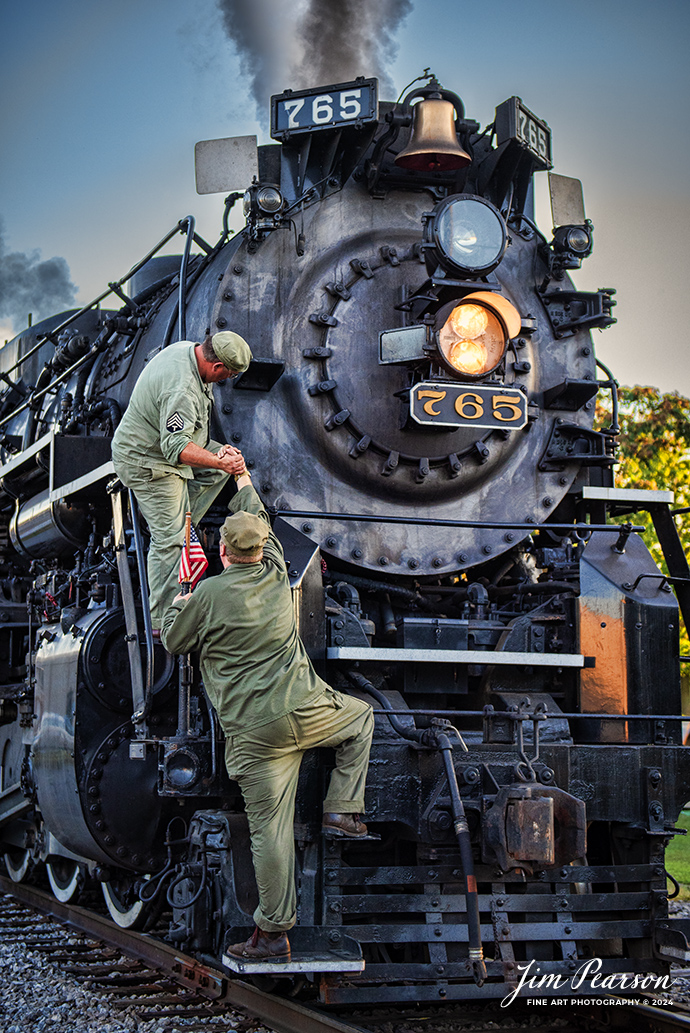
{"type": "Point", "coordinates": [463, 405]}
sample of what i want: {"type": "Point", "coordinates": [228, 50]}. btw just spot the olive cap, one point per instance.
{"type": "Point", "coordinates": [232, 350]}
{"type": "Point", "coordinates": [243, 534]}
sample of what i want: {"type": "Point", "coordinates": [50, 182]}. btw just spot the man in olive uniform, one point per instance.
{"type": "Point", "coordinates": [272, 706]}
{"type": "Point", "coordinates": [162, 450]}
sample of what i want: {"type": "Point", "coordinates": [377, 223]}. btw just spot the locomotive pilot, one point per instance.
{"type": "Point", "coordinates": [272, 706]}
{"type": "Point", "coordinates": [162, 450]}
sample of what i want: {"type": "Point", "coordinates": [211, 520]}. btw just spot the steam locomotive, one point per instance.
{"type": "Point", "coordinates": [419, 418]}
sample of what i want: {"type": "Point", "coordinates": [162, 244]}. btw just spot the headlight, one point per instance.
{"type": "Point", "coordinates": [575, 239]}
{"type": "Point", "coordinates": [473, 338]}
{"type": "Point", "coordinates": [465, 234]}
{"type": "Point", "coordinates": [182, 769]}
{"type": "Point", "coordinates": [260, 201]}
{"type": "Point", "coordinates": [269, 199]}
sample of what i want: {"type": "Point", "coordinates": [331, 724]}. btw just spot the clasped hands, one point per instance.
{"type": "Point", "coordinates": [232, 459]}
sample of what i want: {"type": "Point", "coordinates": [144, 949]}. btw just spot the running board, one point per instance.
{"type": "Point", "coordinates": [312, 950]}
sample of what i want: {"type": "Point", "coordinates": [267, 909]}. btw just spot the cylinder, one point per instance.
{"type": "Point", "coordinates": [40, 527]}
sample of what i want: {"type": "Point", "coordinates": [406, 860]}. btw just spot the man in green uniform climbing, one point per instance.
{"type": "Point", "coordinates": [162, 449]}
{"type": "Point", "coordinates": [272, 706]}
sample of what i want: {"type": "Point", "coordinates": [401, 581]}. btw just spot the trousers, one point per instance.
{"type": "Point", "coordinates": [164, 499]}
{"type": "Point", "coordinates": [265, 761]}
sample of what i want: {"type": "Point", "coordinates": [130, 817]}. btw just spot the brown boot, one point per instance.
{"type": "Point", "coordinates": [262, 946]}
{"type": "Point", "coordinates": [348, 826]}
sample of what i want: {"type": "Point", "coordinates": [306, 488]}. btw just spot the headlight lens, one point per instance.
{"type": "Point", "coordinates": [468, 234]}
{"type": "Point", "coordinates": [474, 336]}
{"type": "Point", "coordinates": [472, 340]}
{"type": "Point", "coordinates": [269, 199]}
{"type": "Point", "coordinates": [577, 240]}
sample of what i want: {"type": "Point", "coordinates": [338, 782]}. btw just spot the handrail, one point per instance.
{"type": "Point", "coordinates": [430, 522]}
{"type": "Point", "coordinates": [184, 225]}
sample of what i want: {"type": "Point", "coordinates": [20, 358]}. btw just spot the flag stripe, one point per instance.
{"type": "Point", "coordinates": [193, 561]}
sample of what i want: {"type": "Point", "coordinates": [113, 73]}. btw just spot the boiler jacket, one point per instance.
{"type": "Point", "coordinates": [169, 408]}
{"type": "Point", "coordinates": [272, 706]}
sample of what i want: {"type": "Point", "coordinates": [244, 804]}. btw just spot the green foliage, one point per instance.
{"type": "Point", "coordinates": [678, 854]}
{"type": "Point", "coordinates": [654, 454]}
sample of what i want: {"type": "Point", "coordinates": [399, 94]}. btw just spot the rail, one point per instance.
{"type": "Point", "coordinates": [596, 1009]}
{"type": "Point", "coordinates": [284, 1016]}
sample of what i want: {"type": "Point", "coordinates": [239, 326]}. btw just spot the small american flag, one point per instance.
{"type": "Point", "coordinates": [193, 562]}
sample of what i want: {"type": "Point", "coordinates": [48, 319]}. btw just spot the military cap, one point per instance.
{"type": "Point", "coordinates": [243, 534]}
{"type": "Point", "coordinates": [232, 350]}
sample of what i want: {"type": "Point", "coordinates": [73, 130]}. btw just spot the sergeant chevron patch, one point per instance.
{"type": "Point", "coordinates": [174, 422]}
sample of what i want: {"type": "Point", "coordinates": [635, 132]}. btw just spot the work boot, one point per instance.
{"type": "Point", "coordinates": [262, 946]}
{"type": "Point", "coordinates": [348, 826]}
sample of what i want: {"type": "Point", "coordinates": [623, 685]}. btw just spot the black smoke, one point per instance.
{"type": "Point", "coordinates": [29, 285]}
{"type": "Point", "coordinates": [312, 42]}
{"type": "Point", "coordinates": [344, 39]}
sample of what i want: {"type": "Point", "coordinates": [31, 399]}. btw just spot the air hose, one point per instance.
{"type": "Point", "coordinates": [436, 739]}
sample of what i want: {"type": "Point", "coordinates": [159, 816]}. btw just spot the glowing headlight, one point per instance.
{"type": "Point", "coordinates": [473, 339]}
{"type": "Point", "coordinates": [467, 234]}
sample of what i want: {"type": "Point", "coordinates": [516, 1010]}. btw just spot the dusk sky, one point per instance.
{"type": "Point", "coordinates": [101, 105]}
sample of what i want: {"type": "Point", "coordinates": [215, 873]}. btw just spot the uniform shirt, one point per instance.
{"type": "Point", "coordinates": [169, 408]}
{"type": "Point", "coordinates": [253, 662]}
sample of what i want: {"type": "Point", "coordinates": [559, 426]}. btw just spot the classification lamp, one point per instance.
{"type": "Point", "coordinates": [262, 200]}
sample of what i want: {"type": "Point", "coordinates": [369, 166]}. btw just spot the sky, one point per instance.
{"type": "Point", "coordinates": [101, 105]}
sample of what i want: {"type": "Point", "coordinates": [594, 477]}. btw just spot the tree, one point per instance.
{"type": "Point", "coordinates": [654, 453]}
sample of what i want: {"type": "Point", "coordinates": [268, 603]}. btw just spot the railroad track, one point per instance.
{"type": "Point", "coordinates": [137, 971]}
{"type": "Point", "coordinates": [159, 980]}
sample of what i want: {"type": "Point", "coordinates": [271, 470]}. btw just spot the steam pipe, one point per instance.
{"type": "Point", "coordinates": [187, 223]}
{"type": "Point", "coordinates": [440, 740]}
{"type": "Point", "coordinates": [364, 685]}
{"type": "Point", "coordinates": [462, 833]}
{"type": "Point", "coordinates": [143, 583]}
{"type": "Point", "coordinates": [612, 384]}
{"type": "Point", "coordinates": [496, 525]}
{"type": "Point", "coordinates": [30, 429]}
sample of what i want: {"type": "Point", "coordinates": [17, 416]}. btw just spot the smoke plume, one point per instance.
{"type": "Point", "coordinates": [29, 285]}
{"type": "Point", "coordinates": [312, 42]}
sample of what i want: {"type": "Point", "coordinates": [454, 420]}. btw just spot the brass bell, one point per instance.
{"type": "Point", "coordinates": [433, 146]}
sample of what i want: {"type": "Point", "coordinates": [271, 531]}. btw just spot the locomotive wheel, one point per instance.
{"type": "Point", "coordinates": [66, 878]}
{"type": "Point", "coordinates": [124, 907]}
{"type": "Point", "coordinates": [18, 864]}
